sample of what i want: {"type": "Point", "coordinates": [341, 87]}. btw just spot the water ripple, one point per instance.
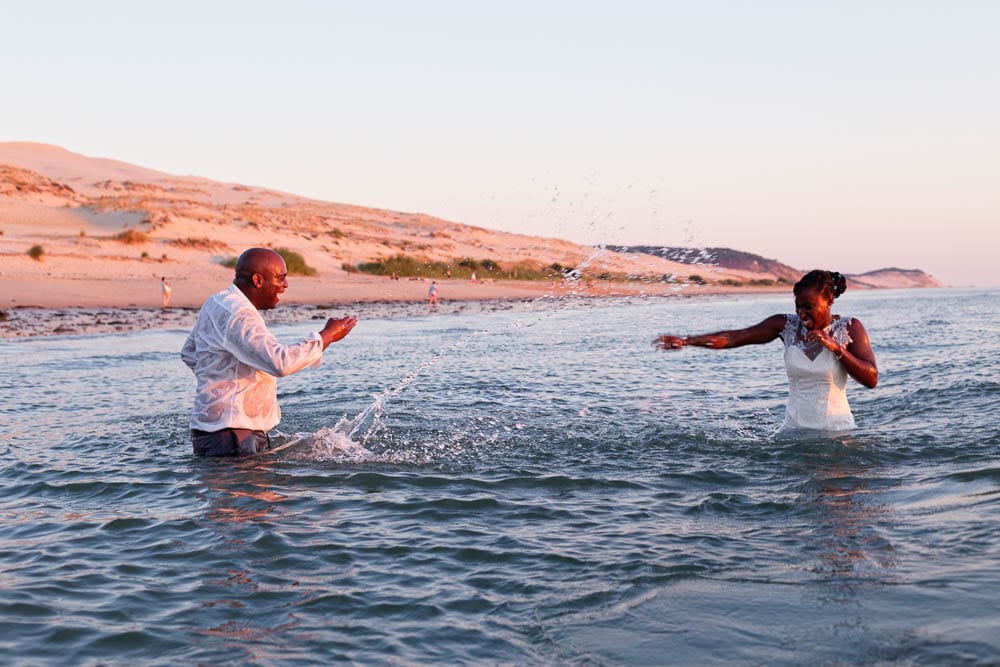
{"type": "Point", "coordinates": [552, 493]}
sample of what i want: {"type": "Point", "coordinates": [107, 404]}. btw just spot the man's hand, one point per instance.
{"type": "Point", "coordinates": [336, 329]}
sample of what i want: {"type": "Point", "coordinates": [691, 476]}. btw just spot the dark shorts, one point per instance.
{"type": "Point", "coordinates": [229, 442]}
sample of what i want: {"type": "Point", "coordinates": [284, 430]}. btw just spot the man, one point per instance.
{"type": "Point", "coordinates": [236, 360]}
{"type": "Point", "coordinates": [432, 294]}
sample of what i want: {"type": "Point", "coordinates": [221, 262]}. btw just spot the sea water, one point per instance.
{"type": "Point", "coordinates": [522, 487]}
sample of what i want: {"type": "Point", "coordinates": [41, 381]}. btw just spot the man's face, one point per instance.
{"type": "Point", "coordinates": [273, 281]}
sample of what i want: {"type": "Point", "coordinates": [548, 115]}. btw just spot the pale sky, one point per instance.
{"type": "Point", "coordinates": [848, 135]}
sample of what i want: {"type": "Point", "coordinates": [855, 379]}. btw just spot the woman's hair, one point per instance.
{"type": "Point", "coordinates": [830, 283]}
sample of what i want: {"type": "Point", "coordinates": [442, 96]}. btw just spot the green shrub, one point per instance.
{"type": "Point", "coordinates": [350, 268]}
{"type": "Point", "coordinates": [295, 263]}
{"type": "Point", "coordinates": [696, 279]}
{"type": "Point", "coordinates": [406, 266]}
{"type": "Point", "coordinates": [131, 237]}
{"type": "Point", "coordinates": [36, 252]}
{"type": "Point", "coordinates": [528, 271]}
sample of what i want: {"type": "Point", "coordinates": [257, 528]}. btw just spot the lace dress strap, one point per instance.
{"type": "Point", "coordinates": [839, 330]}
{"type": "Point", "coordinates": [790, 334]}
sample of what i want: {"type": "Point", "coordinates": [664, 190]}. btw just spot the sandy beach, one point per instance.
{"type": "Point", "coordinates": [90, 233]}
{"type": "Point", "coordinates": [86, 241]}
{"type": "Point", "coordinates": [62, 305]}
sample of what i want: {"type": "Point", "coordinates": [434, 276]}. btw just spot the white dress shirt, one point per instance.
{"type": "Point", "coordinates": [236, 360]}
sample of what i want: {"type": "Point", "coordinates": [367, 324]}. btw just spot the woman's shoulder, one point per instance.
{"type": "Point", "coordinates": [854, 326]}
{"type": "Point", "coordinates": [847, 321]}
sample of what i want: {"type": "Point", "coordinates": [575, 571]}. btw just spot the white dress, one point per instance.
{"type": "Point", "coordinates": [817, 381]}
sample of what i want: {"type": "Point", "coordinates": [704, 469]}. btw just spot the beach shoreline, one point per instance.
{"type": "Point", "coordinates": [64, 307]}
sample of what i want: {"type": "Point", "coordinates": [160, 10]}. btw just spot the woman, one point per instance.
{"type": "Point", "coordinates": [165, 291]}
{"type": "Point", "coordinates": [821, 350]}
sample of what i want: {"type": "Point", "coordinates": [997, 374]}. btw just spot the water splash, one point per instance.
{"type": "Point", "coordinates": [350, 439]}
{"type": "Point", "coordinates": [347, 441]}
{"type": "Point", "coordinates": [326, 444]}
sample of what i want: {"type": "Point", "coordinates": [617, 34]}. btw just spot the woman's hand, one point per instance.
{"type": "Point", "coordinates": [826, 340]}
{"type": "Point", "coordinates": [670, 342]}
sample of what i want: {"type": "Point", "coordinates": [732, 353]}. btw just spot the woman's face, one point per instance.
{"type": "Point", "coordinates": [813, 309]}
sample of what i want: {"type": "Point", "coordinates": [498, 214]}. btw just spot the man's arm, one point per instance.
{"type": "Point", "coordinates": [250, 341]}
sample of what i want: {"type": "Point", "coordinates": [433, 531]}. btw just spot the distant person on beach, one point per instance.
{"type": "Point", "coordinates": [165, 291]}
{"type": "Point", "coordinates": [821, 350]}
{"type": "Point", "coordinates": [236, 360]}
{"type": "Point", "coordinates": [432, 294]}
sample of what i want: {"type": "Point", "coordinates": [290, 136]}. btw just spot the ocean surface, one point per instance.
{"type": "Point", "coordinates": [532, 486]}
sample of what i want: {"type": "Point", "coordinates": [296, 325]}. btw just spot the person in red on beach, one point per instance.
{"type": "Point", "coordinates": [821, 350]}
{"type": "Point", "coordinates": [432, 294]}
{"type": "Point", "coordinates": [236, 360]}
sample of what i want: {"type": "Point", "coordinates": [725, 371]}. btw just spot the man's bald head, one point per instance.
{"type": "Point", "coordinates": [257, 260]}
{"type": "Point", "coordinates": [262, 276]}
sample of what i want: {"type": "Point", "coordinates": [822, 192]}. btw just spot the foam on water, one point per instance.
{"type": "Point", "coordinates": [326, 444]}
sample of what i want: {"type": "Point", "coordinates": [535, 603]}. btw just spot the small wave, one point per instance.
{"type": "Point", "coordinates": [991, 474]}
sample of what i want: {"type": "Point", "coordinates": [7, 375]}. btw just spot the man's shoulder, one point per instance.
{"type": "Point", "coordinates": [230, 299]}
{"type": "Point", "coordinates": [229, 303]}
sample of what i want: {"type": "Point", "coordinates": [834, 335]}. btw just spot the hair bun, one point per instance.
{"type": "Point", "coordinates": [839, 283]}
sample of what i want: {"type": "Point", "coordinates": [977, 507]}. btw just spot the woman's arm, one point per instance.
{"type": "Point", "coordinates": [764, 332]}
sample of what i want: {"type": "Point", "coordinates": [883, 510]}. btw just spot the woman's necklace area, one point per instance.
{"type": "Point", "coordinates": [812, 348]}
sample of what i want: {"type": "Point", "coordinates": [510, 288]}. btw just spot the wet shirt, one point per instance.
{"type": "Point", "coordinates": [236, 361]}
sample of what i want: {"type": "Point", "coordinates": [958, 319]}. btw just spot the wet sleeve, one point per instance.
{"type": "Point", "coordinates": [249, 341]}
